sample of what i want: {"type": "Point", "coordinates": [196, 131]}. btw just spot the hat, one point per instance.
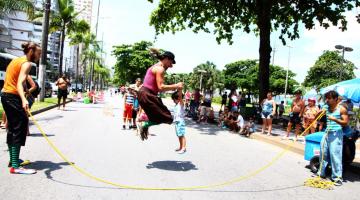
{"type": "Point", "coordinates": [312, 99]}
{"type": "Point", "coordinates": [169, 55]}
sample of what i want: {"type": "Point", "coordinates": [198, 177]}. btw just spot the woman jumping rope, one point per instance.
{"type": "Point", "coordinates": [148, 98]}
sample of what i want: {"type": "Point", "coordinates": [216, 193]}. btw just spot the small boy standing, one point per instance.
{"type": "Point", "coordinates": [179, 114]}
{"type": "Point", "coordinates": [128, 108]}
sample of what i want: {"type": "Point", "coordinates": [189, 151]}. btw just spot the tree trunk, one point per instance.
{"type": "Point", "coordinates": [44, 46]}
{"type": "Point", "coordinates": [84, 75]}
{"type": "Point", "coordinates": [264, 25]}
{"type": "Point", "coordinates": [62, 49]}
{"type": "Point", "coordinates": [77, 68]}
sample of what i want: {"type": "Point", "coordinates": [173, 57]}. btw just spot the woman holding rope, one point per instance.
{"type": "Point", "coordinates": [148, 98]}
{"type": "Point", "coordinates": [16, 105]}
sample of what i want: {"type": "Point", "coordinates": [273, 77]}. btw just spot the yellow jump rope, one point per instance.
{"type": "Point", "coordinates": [312, 182]}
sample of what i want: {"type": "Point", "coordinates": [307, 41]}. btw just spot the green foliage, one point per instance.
{"type": "Point", "coordinates": [262, 17]}
{"type": "Point", "coordinates": [211, 78]}
{"type": "Point", "coordinates": [11, 6]}
{"type": "Point", "coordinates": [329, 69]}
{"type": "Point", "coordinates": [243, 74]}
{"type": "Point", "coordinates": [132, 61]}
{"type": "Point", "coordinates": [178, 77]}
{"type": "Point", "coordinates": [227, 16]}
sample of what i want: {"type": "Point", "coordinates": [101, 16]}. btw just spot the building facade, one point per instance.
{"type": "Point", "coordinates": [85, 8]}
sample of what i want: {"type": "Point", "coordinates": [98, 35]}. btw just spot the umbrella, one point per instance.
{"type": "Point", "coordinates": [349, 89]}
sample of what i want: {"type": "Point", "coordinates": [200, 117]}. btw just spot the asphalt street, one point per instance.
{"type": "Point", "coordinates": [91, 136]}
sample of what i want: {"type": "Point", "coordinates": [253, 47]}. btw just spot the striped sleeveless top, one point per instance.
{"type": "Point", "coordinates": [129, 99]}
{"type": "Point", "coordinates": [331, 125]}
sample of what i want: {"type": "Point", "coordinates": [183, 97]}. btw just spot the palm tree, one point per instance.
{"type": "Point", "coordinates": [11, 6]}
{"type": "Point", "coordinates": [102, 75]}
{"type": "Point", "coordinates": [65, 22]}
{"type": "Point", "coordinates": [90, 53]}
{"type": "Point", "coordinates": [83, 40]}
{"type": "Point", "coordinates": [211, 79]}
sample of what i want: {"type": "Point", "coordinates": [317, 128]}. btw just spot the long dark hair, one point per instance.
{"type": "Point", "coordinates": [27, 46]}
{"type": "Point", "coordinates": [156, 53]}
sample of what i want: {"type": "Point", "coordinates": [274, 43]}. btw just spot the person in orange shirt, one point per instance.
{"type": "Point", "coordinates": [16, 105]}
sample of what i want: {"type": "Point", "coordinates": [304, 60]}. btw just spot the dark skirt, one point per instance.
{"type": "Point", "coordinates": [153, 106]}
{"type": "Point", "coordinates": [17, 118]}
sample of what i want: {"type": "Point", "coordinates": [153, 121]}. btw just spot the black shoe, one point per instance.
{"type": "Point", "coordinates": [338, 182]}
{"type": "Point", "coordinates": [124, 127]}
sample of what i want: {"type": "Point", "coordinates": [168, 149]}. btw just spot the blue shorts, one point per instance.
{"type": "Point", "coordinates": [180, 128]}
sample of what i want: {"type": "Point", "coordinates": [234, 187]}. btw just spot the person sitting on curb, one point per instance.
{"type": "Point", "coordinates": [249, 128]}
{"type": "Point", "coordinates": [223, 116]}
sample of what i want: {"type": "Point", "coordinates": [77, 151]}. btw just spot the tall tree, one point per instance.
{"type": "Point", "coordinates": [260, 16]}
{"type": "Point", "coordinates": [329, 69]}
{"type": "Point", "coordinates": [242, 74]}
{"type": "Point", "coordinates": [86, 41]}
{"type": "Point", "coordinates": [132, 61]}
{"type": "Point", "coordinates": [11, 6]}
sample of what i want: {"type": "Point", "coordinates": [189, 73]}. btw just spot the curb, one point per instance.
{"type": "Point", "coordinates": [47, 108]}
{"type": "Point", "coordinates": [296, 148]}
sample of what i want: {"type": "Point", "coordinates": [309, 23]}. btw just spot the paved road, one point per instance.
{"type": "Point", "coordinates": [94, 140]}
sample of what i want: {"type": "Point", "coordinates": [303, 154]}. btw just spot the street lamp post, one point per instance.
{"type": "Point", "coordinates": [343, 49]}
{"type": "Point", "coordinates": [201, 75]}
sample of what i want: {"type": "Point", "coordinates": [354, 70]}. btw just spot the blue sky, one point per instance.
{"type": "Point", "coordinates": [126, 22]}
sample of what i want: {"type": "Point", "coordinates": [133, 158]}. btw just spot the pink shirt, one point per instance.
{"type": "Point", "coordinates": [150, 81]}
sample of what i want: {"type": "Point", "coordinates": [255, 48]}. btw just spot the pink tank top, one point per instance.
{"type": "Point", "coordinates": [150, 81]}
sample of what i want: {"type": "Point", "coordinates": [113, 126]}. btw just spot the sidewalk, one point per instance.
{"type": "Point", "coordinates": [297, 147]}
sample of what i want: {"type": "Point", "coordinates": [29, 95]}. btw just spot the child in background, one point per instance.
{"type": "Point", "coordinates": [128, 108]}
{"type": "Point", "coordinates": [249, 128]}
{"type": "Point", "coordinates": [179, 114]}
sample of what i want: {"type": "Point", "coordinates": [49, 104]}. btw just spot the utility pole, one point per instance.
{"type": "Point", "coordinates": [96, 31]}
{"type": "Point", "coordinates": [273, 56]}
{"type": "Point", "coordinates": [287, 74]}
{"type": "Point", "coordinates": [44, 44]}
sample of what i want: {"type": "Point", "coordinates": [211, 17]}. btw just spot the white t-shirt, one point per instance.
{"type": "Point", "coordinates": [179, 113]}
{"type": "Point", "coordinates": [240, 120]}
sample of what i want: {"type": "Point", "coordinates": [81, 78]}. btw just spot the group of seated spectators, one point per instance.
{"type": "Point", "coordinates": [234, 121]}
{"type": "Point", "coordinates": [199, 108]}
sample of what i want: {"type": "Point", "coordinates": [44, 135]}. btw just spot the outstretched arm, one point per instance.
{"type": "Point", "coordinates": [159, 72]}
{"type": "Point", "coordinates": [181, 101]}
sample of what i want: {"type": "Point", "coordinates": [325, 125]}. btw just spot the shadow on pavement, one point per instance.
{"type": "Point", "coordinates": [40, 135]}
{"type": "Point", "coordinates": [49, 118]}
{"type": "Point", "coordinates": [48, 166]}
{"type": "Point", "coordinates": [172, 165]}
{"type": "Point", "coordinates": [204, 128]}
{"type": "Point", "coordinates": [351, 176]}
